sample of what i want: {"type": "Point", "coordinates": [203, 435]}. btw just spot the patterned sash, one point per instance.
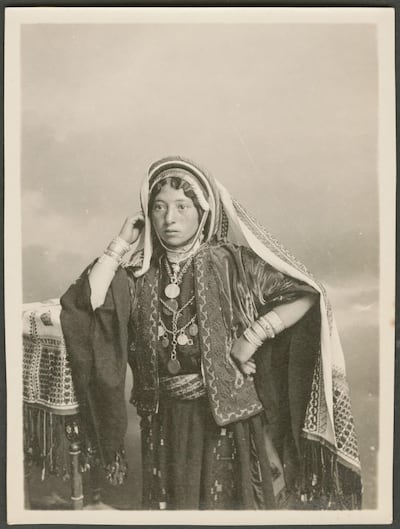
{"type": "Point", "coordinates": [183, 387]}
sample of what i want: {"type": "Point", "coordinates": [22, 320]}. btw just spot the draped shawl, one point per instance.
{"type": "Point", "coordinates": [328, 420]}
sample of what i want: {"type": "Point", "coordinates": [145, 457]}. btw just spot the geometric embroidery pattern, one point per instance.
{"type": "Point", "coordinates": [47, 379]}
{"type": "Point", "coordinates": [346, 439]}
{"type": "Point", "coordinates": [278, 249]}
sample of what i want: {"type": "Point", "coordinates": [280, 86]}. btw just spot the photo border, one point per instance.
{"type": "Point", "coordinates": [13, 296]}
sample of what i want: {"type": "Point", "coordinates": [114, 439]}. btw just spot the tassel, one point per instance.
{"type": "Point", "coordinates": [325, 482]}
{"type": "Point", "coordinates": [45, 443]}
{"type": "Point", "coordinates": [117, 471]}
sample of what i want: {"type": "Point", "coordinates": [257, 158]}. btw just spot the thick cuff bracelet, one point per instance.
{"type": "Point", "coordinates": [265, 328]}
{"type": "Point", "coordinates": [273, 320]}
{"type": "Point", "coordinates": [115, 252]}
{"type": "Point", "coordinates": [118, 246]}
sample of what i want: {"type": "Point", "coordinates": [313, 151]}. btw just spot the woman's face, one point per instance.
{"type": "Point", "coordinates": [174, 216]}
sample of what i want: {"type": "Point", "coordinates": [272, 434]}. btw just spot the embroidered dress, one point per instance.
{"type": "Point", "coordinates": [212, 437]}
{"type": "Point", "coordinates": [189, 462]}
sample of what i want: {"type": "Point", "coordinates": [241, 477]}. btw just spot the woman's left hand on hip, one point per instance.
{"type": "Point", "coordinates": [242, 350]}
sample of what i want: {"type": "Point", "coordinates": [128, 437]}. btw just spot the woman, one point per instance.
{"type": "Point", "coordinates": [237, 366]}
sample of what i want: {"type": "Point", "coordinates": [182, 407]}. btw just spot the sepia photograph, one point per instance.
{"type": "Point", "coordinates": [199, 265]}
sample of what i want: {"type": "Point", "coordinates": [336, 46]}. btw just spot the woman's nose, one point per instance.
{"type": "Point", "coordinates": [170, 216]}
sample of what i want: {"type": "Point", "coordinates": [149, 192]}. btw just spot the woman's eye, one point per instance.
{"type": "Point", "coordinates": [158, 207]}
{"type": "Point", "coordinates": [182, 206]}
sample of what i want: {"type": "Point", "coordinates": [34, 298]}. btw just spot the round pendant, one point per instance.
{"type": "Point", "coordinates": [174, 366]}
{"type": "Point", "coordinates": [172, 290]}
{"type": "Point", "coordinates": [173, 305]}
{"type": "Point", "coordinates": [193, 330]}
{"type": "Point", "coordinates": [182, 339]}
{"type": "Point", "coordinates": [165, 342]}
{"type": "Point", "coordinates": [161, 331]}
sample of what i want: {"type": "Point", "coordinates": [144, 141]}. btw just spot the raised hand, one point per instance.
{"type": "Point", "coordinates": [132, 227]}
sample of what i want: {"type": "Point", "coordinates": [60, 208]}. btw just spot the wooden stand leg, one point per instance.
{"type": "Point", "coordinates": [76, 478]}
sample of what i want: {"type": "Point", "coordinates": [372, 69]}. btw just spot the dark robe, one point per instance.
{"type": "Point", "coordinates": [99, 342]}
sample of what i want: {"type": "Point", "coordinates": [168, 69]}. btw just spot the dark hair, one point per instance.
{"type": "Point", "coordinates": [176, 183]}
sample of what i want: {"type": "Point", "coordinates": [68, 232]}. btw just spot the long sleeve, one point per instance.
{"type": "Point", "coordinates": [97, 349]}
{"type": "Point", "coordinates": [100, 277]}
{"type": "Point", "coordinates": [268, 286]}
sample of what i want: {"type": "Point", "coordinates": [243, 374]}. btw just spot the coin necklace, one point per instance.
{"type": "Point", "coordinates": [172, 290]}
{"type": "Point", "coordinates": [178, 335]}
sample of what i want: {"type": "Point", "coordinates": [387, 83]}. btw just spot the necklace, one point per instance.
{"type": "Point", "coordinates": [172, 290]}
{"type": "Point", "coordinates": [178, 335]}
{"type": "Point", "coordinates": [177, 256]}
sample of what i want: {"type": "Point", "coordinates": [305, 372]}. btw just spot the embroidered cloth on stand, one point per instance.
{"type": "Point", "coordinates": [47, 380]}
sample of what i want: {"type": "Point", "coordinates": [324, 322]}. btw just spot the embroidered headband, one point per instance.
{"type": "Point", "coordinates": [186, 177]}
{"type": "Point", "coordinates": [185, 166]}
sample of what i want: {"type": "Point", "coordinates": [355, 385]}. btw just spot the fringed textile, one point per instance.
{"type": "Point", "coordinates": [45, 441]}
{"type": "Point", "coordinates": [50, 406]}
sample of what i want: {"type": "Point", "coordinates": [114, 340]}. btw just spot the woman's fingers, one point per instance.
{"type": "Point", "coordinates": [138, 217]}
{"type": "Point", "coordinates": [136, 221]}
{"type": "Point", "coordinates": [242, 350]}
{"type": "Point", "coordinates": [251, 364]}
{"type": "Point", "coordinates": [131, 228]}
{"type": "Point", "coordinates": [248, 368]}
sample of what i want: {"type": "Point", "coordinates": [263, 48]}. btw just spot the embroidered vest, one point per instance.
{"type": "Point", "coordinates": [232, 397]}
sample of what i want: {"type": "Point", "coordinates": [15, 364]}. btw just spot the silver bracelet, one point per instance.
{"type": "Point", "coordinates": [268, 329]}
{"type": "Point", "coordinates": [259, 330]}
{"type": "Point", "coordinates": [274, 321]}
{"type": "Point", "coordinates": [252, 337]}
{"type": "Point", "coordinates": [119, 246]}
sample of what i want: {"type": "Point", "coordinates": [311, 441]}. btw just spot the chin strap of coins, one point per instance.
{"type": "Point", "coordinates": [265, 328]}
{"type": "Point", "coordinates": [115, 251]}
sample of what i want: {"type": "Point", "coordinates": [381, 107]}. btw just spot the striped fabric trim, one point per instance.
{"type": "Point", "coordinates": [184, 387]}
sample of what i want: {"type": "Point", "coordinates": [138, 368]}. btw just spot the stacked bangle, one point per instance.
{"type": "Point", "coordinates": [252, 337]}
{"type": "Point", "coordinates": [274, 320]}
{"type": "Point", "coordinates": [117, 248]}
{"type": "Point", "coordinates": [265, 328]}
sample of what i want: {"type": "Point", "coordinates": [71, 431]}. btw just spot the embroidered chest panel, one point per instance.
{"type": "Point", "coordinates": [232, 397]}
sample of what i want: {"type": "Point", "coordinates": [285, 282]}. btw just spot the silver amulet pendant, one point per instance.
{"type": "Point", "coordinates": [172, 291]}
